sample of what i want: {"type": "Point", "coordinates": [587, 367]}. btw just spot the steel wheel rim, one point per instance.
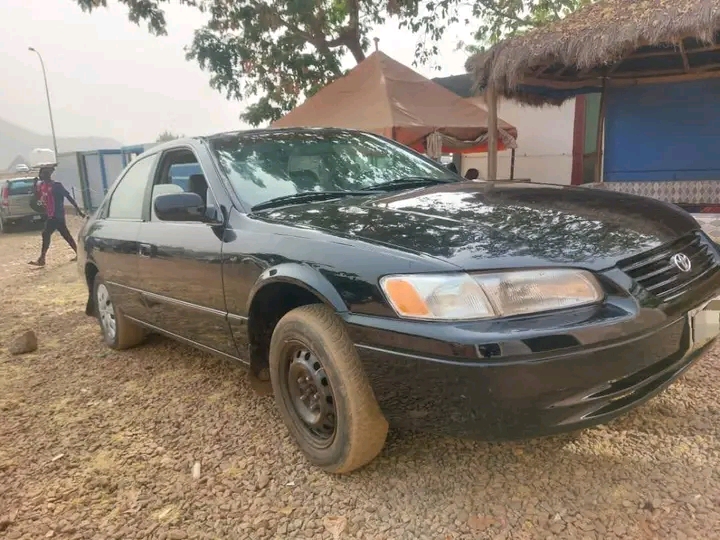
{"type": "Point", "coordinates": [106, 312]}
{"type": "Point", "coordinates": [309, 394]}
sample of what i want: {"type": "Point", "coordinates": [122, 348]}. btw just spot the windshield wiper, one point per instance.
{"type": "Point", "coordinates": [408, 181]}
{"type": "Point", "coordinates": [306, 196]}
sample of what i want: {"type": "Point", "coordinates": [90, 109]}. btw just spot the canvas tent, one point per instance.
{"type": "Point", "coordinates": [382, 96]}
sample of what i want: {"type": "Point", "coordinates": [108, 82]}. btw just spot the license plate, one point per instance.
{"type": "Point", "coordinates": [36, 218]}
{"type": "Point", "coordinates": [704, 323]}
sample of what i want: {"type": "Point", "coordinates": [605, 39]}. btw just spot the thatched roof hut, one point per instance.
{"type": "Point", "coordinates": [614, 42]}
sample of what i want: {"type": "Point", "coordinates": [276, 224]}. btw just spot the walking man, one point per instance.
{"type": "Point", "coordinates": [52, 195]}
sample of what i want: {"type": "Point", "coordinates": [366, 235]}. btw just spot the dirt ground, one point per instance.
{"type": "Point", "coordinates": [96, 444]}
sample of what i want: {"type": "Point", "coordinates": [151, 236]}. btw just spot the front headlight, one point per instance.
{"type": "Point", "coordinates": [489, 295]}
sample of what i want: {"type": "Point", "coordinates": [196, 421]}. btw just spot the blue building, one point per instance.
{"type": "Point", "coordinates": [657, 126]}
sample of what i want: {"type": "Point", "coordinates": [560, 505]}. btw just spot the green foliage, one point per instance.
{"type": "Point", "coordinates": [167, 136]}
{"type": "Point", "coordinates": [149, 11]}
{"type": "Point", "coordinates": [504, 18]}
{"type": "Point", "coordinates": [488, 21]}
{"type": "Point", "coordinates": [278, 52]}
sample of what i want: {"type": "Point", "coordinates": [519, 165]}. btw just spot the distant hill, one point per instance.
{"type": "Point", "coordinates": [18, 141]}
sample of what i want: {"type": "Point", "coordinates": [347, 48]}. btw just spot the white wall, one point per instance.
{"type": "Point", "coordinates": [545, 142]}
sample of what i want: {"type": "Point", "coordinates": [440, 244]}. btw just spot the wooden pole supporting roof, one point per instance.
{"type": "Point", "coordinates": [491, 99]}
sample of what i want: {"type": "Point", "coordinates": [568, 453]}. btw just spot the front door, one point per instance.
{"type": "Point", "coordinates": [180, 263]}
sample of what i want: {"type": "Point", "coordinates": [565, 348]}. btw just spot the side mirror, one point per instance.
{"type": "Point", "coordinates": [186, 206]}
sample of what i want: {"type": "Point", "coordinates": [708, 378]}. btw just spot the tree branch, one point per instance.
{"type": "Point", "coordinates": [489, 5]}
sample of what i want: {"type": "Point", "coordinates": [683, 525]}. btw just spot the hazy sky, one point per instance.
{"type": "Point", "coordinates": [109, 77]}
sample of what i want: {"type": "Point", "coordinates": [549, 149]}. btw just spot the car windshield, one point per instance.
{"type": "Point", "coordinates": [269, 165]}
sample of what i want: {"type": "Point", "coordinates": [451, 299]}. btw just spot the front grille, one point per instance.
{"type": "Point", "coordinates": [656, 273]}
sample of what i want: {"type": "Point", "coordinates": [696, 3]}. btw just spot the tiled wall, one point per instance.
{"type": "Point", "coordinates": [688, 191]}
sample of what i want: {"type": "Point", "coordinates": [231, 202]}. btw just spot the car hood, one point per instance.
{"type": "Point", "coordinates": [479, 225]}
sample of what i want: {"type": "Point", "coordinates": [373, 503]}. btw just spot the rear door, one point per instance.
{"type": "Point", "coordinates": [20, 193]}
{"type": "Point", "coordinates": [112, 240]}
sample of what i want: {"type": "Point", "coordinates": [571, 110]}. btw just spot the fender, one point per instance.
{"type": "Point", "coordinates": [304, 276]}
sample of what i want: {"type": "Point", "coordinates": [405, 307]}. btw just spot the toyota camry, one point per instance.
{"type": "Point", "coordinates": [374, 288]}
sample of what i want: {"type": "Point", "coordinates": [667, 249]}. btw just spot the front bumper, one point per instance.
{"type": "Point", "coordinates": [527, 380]}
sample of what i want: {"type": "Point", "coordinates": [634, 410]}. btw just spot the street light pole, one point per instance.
{"type": "Point", "coordinates": [47, 94]}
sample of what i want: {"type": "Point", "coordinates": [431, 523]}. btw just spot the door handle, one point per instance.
{"type": "Point", "coordinates": [145, 250]}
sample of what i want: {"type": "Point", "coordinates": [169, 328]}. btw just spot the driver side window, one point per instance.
{"type": "Point", "coordinates": [180, 172]}
{"type": "Point", "coordinates": [127, 199]}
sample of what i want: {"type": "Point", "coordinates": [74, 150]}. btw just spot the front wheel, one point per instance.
{"type": "Point", "coordinates": [118, 331]}
{"type": "Point", "coordinates": [322, 392]}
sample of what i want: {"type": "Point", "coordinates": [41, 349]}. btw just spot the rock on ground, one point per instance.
{"type": "Point", "coordinates": [24, 343]}
{"type": "Point", "coordinates": [131, 425]}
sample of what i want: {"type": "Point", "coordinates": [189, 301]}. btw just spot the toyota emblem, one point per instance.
{"type": "Point", "coordinates": [682, 262]}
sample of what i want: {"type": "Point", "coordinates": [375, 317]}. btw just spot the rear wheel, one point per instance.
{"type": "Point", "coordinates": [322, 392]}
{"type": "Point", "coordinates": [118, 331]}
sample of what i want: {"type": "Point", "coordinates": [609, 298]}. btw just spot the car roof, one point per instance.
{"type": "Point", "coordinates": [279, 131]}
{"type": "Point", "coordinates": [261, 131]}
{"type": "Point", "coordinates": [191, 141]}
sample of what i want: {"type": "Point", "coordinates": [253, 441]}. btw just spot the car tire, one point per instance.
{"type": "Point", "coordinates": [118, 331]}
{"type": "Point", "coordinates": [322, 392]}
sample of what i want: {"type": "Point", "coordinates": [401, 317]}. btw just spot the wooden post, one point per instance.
{"type": "Point", "coordinates": [512, 164]}
{"type": "Point", "coordinates": [491, 100]}
{"type": "Point", "coordinates": [599, 143]}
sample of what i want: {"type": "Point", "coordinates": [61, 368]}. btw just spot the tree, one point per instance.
{"type": "Point", "coordinates": [506, 18]}
{"type": "Point", "coordinates": [167, 136]}
{"type": "Point", "coordinates": [279, 52]}
{"type": "Point", "coordinates": [490, 20]}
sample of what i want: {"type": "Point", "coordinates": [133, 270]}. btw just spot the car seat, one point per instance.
{"type": "Point", "coordinates": [198, 184]}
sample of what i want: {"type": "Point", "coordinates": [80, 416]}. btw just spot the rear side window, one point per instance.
{"type": "Point", "coordinates": [20, 187]}
{"type": "Point", "coordinates": [129, 195]}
